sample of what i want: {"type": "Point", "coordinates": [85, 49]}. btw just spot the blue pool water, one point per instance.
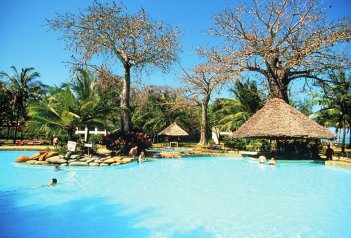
{"type": "Point", "coordinates": [217, 197]}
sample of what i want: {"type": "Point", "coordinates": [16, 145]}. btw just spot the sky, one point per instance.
{"type": "Point", "coordinates": [26, 42]}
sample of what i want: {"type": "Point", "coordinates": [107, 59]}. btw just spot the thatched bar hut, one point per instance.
{"type": "Point", "coordinates": [173, 131]}
{"type": "Point", "coordinates": [279, 120]}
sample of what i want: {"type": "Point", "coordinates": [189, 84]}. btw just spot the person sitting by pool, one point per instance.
{"type": "Point", "coordinates": [329, 152]}
{"type": "Point", "coordinates": [272, 161]}
{"type": "Point", "coordinates": [141, 157]}
{"type": "Point", "coordinates": [133, 151]}
{"type": "Point", "coordinates": [55, 142]}
{"type": "Point", "coordinates": [53, 182]}
{"type": "Point", "coordinates": [262, 159]}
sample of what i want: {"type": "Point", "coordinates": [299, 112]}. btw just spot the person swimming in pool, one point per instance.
{"type": "Point", "coordinates": [262, 159]}
{"type": "Point", "coordinates": [272, 161]}
{"type": "Point", "coordinates": [141, 157]}
{"type": "Point", "coordinates": [53, 182]}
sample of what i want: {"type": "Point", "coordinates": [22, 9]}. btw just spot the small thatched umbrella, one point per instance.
{"type": "Point", "coordinates": [173, 130]}
{"type": "Point", "coordinates": [279, 120]}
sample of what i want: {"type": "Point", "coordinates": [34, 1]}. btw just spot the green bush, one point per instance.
{"type": "Point", "coordinates": [258, 145]}
{"type": "Point", "coordinates": [95, 139]}
{"type": "Point", "coordinates": [234, 143]}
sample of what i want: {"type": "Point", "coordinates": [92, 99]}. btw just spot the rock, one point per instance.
{"type": "Point", "coordinates": [115, 164]}
{"type": "Point", "coordinates": [102, 164]}
{"type": "Point", "coordinates": [56, 160]}
{"type": "Point", "coordinates": [35, 156]}
{"type": "Point", "coordinates": [65, 164]}
{"type": "Point", "coordinates": [68, 155]}
{"type": "Point", "coordinates": [85, 159]}
{"type": "Point", "coordinates": [51, 154]}
{"type": "Point", "coordinates": [125, 160]}
{"type": "Point", "coordinates": [94, 164]}
{"type": "Point", "coordinates": [78, 164]}
{"type": "Point", "coordinates": [31, 162]}
{"type": "Point", "coordinates": [41, 162]}
{"type": "Point", "coordinates": [43, 152]}
{"type": "Point", "coordinates": [90, 160]}
{"type": "Point", "coordinates": [109, 161]}
{"type": "Point", "coordinates": [72, 160]}
{"type": "Point", "coordinates": [97, 161]}
{"type": "Point", "coordinates": [75, 156]}
{"type": "Point", "coordinates": [42, 156]}
{"type": "Point", "coordinates": [22, 158]}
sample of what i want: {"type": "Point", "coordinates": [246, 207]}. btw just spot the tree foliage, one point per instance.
{"type": "Point", "coordinates": [23, 87]}
{"type": "Point", "coordinates": [201, 81]}
{"type": "Point", "coordinates": [158, 107]}
{"type": "Point", "coordinates": [74, 104]}
{"type": "Point", "coordinates": [134, 40]}
{"type": "Point", "coordinates": [336, 102]}
{"type": "Point", "coordinates": [281, 40]}
{"type": "Point", "coordinates": [231, 113]}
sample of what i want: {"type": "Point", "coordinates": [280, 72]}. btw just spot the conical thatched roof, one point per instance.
{"type": "Point", "coordinates": [279, 120]}
{"type": "Point", "coordinates": [173, 130]}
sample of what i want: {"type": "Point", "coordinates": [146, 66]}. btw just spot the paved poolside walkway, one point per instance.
{"type": "Point", "coordinates": [26, 147]}
{"type": "Point", "coordinates": [342, 162]}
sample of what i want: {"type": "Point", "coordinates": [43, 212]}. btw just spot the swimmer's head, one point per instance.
{"type": "Point", "coordinates": [53, 182]}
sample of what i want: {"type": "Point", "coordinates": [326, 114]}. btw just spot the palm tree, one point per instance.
{"type": "Point", "coordinates": [6, 108]}
{"type": "Point", "coordinates": [23, 87]}
{"type": "Point", "coordinates": [69, 106]}
{"type": "Point", "coordinates": [336, 103]}
{"type": "Point", "coordinates": [232, 113]}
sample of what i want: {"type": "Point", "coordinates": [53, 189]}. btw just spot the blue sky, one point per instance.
{"type": "Point", "coordinates": [25, 40]}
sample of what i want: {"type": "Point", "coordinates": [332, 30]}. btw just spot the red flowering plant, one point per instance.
{"type": "Point", "coordinates": [121, 142]}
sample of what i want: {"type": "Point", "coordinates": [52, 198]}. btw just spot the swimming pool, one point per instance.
{"type": "Point", "coordinates": [218, 197]}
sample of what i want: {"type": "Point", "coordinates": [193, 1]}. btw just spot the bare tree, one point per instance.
{"type": "Point", "coordinates": [133, 40]}
{"type": "Point", "coordinates": [283, 40]}
{"type": "Point", "coordinates": [201, 81]}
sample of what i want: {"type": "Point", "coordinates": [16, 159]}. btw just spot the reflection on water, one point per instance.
{"type": "Point", "coordinates": [199, 197]}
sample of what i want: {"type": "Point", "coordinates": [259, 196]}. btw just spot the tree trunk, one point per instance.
{"type": "Point", "coordinates": [8, 131]}
{"type": "Point", "coordinates": [17, 119]}
{"type": "Point", "coordinates": [349, 135]}
{"type": "Point", "coordinates": [343, 139]}
{"type": "Point", "coordinates": [204, 123]}
{"type": "Point", "coordinates": [126, 124]}
{"type": "Point", "coordinates": [278, 89]}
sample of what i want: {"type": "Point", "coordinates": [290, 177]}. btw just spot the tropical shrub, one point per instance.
{"type": "Point", "coordinates": [258, 145]}
{"type": "Point", "coordinates": [234, 143]}
{"type": "Point", "coordinates": [121, 142]}
{"type": "Point", "coordinates": [95, 139]}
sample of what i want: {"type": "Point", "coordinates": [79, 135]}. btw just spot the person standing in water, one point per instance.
{"type": "Point", "coordinates": [133, 151]}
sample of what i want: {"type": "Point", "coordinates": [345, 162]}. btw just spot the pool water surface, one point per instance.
{"type": "Point", "coordinates": [218, 197]}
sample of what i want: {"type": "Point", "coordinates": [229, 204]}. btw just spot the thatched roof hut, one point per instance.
{"type": "Point", "coordinates": [173, 130]}
{"type": "Point", "coordinates": [279, 120]}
